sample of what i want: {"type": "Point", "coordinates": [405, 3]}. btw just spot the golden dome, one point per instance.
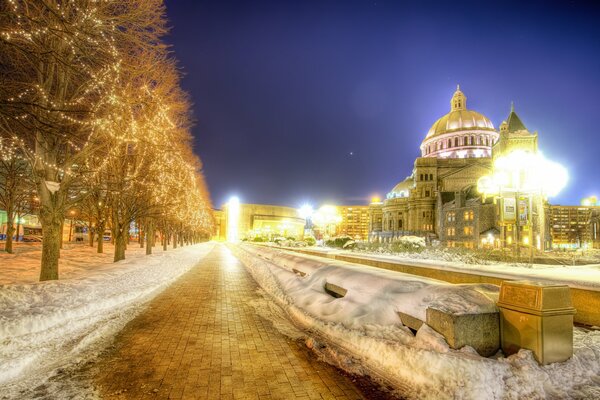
{"type": "Point", "coordinates": [459, 118]}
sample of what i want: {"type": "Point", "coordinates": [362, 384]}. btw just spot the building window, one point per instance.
{"type": "Point", "coordinates": [427, 193]}
{"type": "Point", "coordinates": [468, 215]}
{"type": "Point", "coordinates": [455, 142]}
{"type": "Point", "coordinates": [451, 231]}
{"type": "Point", "coordinates": [399, 224]}
{"type": "Point", "coordinates": [426, 177]}
{"type": "Point", "coordinates": [450, 216]}
{"type": "Point", "coordinates": [421, 177]}
{"type": "Point", "coordinates": [449, 143]}
{"type": "Point", "coordinates": [468, 230]}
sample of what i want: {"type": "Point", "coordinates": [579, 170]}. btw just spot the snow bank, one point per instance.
{"type": "Point", "coordinates": [363, 326]}
{"type": "Point", "coordinates": [46, 324]}
{"type": "Point", "coordinates": [580, 276]}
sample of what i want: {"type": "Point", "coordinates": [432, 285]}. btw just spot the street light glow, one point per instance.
{"type": "Point", "coordinates": [524, 172]}
{"type": "Point", "coordinates": [233, 216]}
{"type": "Point", "coordinates": [306, 211]}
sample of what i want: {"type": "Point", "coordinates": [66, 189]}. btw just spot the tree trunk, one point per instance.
{"type": "Point", "coordinates": [100, 227]}
{"type": "Point", "coordinates": [51, 241]}
{"type": "Point", "coordinates": [164, 242]}
{"type": "Point", "coordinates": [174, 240]}
{"type": "Point", "coordinates": [141, 236]}
{"type": "Point", "coordinates": [62, 234]}
{"type": "Point", "coordinates": [10, 229]}
{"type": "Point", "coordinates": [120, 243]}
{"type": "Point", "coordinates": [18, 227]}
{"type": "Point", "coordinates": [91, 234]}
{"type": "Point", "coordinates": [149, 237]}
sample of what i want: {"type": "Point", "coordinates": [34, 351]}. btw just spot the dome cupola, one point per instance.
{"type": "Point", "coordinates": [462, 133]}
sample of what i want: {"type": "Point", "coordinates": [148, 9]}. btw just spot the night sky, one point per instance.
{"type": "Point", "coordinates": [328, 101]}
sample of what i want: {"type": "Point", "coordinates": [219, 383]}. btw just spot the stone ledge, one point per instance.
{"type": "Point", "coordinates": [480, 331]}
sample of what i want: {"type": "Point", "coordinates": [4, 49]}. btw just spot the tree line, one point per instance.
{"type": "Point", "coordinates": [93, 118]}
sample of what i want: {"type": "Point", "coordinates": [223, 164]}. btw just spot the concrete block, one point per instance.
{"type": "Point", "coordinates": [480, 331]}
{"type": "Point", "coordinates": [408, 320]}
{"type": "Point", "coordinates": [335, 290]}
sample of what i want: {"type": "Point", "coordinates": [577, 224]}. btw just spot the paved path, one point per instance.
{"type": "Point", "coordinates": [200, 339]}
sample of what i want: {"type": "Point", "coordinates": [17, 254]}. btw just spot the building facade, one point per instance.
{"type": "Point", "coordinates": [574, 227]}
{"type": "Point", "coordinates": [439, 200]}
{"type": "Point", "coordinates": [354, 222]}
{"type": "Point", "coordinates": [245, 221]}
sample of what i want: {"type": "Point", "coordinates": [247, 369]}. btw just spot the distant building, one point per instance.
{"type": "Point", "coordinates": [245, 221]}
{"type": "Point", "coordinates": [439, 200]}
{"type": "Point", "coordinates": [355, 222]}
{"type": "Point", "coordinates": [574, 227]}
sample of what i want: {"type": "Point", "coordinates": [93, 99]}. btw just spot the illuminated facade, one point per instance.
{"type": "Point", "coordinates": [439, 200]}
{"type": "Point", "coordinates": [238, 221]}
{"type": "Point", "coordinates": [574, 227]}
{"type": "Point", "coordinates": [355, 222]}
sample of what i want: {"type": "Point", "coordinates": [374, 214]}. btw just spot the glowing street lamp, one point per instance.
{"type": "Point", "coordinates": [233, 216]}
{"type": "Point", "coordinates": [526, 173]}
{"type": "Point", "coordinates": [306, 212]}
{"type": "Point", "coordinates": [518, 174]}
{"type": "Point", "coordinates": [327, 217]}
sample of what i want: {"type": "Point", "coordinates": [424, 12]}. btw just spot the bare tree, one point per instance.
{"type": "Point", "coordinates": [15, 188]}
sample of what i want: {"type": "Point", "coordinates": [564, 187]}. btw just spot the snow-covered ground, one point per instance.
{"type": "Point", "coordinates": [364, 333]}
{"type": "Point", "coordinates": [47, 326]}
{"type": "Point", "coordinates": [76, 260]}
{"type": "Point", "coordinates": [579, 276]}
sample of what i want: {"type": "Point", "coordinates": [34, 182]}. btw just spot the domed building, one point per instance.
{"type": "Point", "coordinates": [455, 153]}
{"type": "Point", "coordinates": [462, 133]}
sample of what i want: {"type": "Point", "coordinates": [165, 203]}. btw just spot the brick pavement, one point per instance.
{"type": "Point", "coordinates": [200, 339]}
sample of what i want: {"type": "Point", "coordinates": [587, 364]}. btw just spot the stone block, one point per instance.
{"type": "Point", "coordinates": [335, 290]}
{"type": "Point", "coordinates": [480, 331]}
{"type": "Point", "coordinates": [408, 320]}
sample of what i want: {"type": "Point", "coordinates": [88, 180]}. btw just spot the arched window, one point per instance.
{"type": "Point", "coordinates": [430, 177]}
{"type": "Point", "coordinates": [471, 141]}
{"type": "Point", "coordinates": [456, 142]}
{"type": "Point", "coordinates": [449, 143]}
{"type": "Point", "coordinates": [421, 177]}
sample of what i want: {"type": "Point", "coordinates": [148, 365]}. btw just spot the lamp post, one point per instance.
{"type": "Point", "coordinates": [327, 217]}
{"type": "Point", "coordinates": [306, 212]}
{"type": "Point", "coordinates": [522, 174]}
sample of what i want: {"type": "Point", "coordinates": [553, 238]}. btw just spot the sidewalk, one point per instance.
{"type": "Point", "coordinates": [200, 339]}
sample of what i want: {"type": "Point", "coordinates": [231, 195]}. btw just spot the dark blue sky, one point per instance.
{"type": "Point", "coordinates": [283, 92]}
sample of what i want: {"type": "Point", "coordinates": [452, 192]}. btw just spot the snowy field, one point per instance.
{"type": "Point", "coordinates": [364, 335]}
{"type": "Point", "coordinates": [45, 327]}
{"type": "Point", "coordinates": [76, 261]}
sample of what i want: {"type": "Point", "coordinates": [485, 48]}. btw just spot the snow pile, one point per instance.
{"type": "Point", "coordinates": [374, 295]}
{"type": "Point", "coordinates": [363, 326]}
{"type": "Point", "coordinates": [47, 324]}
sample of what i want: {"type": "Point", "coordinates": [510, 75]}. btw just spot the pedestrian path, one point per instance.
{"type": "Point", "coordinates": [200, 339]}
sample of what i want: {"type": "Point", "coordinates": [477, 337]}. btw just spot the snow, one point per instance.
{"type": "Point", "coordinates": [47, 325]}
{"type": "Point", "coordinates": [362, 329]}
{"type": "Point", "coordinates": [578, 276]}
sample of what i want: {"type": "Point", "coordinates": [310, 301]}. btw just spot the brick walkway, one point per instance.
{"type": "Point", "coordinates": [200, 339]}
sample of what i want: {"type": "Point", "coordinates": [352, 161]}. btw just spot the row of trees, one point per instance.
{"type": "Point", "coordinates": [92, 117]}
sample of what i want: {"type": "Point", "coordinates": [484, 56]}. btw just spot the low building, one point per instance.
{"type": "Point", "coordinates": [467, 222]}
{"type": "Point", "coordinates": [246, 221]}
